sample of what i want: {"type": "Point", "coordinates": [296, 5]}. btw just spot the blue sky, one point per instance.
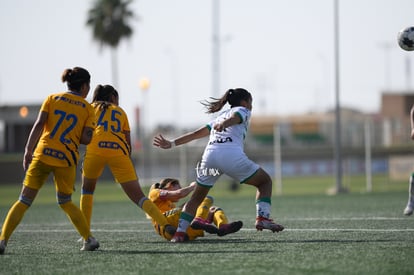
{"type": "Point", "coordinates": [280, 50]}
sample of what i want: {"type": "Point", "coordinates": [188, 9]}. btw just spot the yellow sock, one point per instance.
{"type": "Point", "coordinates": [77, 218]}
{"type": "Point", "coordinates": [86, 205]}
{"type": "Point", "coordinates": [152, 210]}
{"type": "Point", "coordinates": [220, 218]}
{"type": "Point", "coordinates": [204, 207]}
{"type": "Point", "coordinates": [13, 219]}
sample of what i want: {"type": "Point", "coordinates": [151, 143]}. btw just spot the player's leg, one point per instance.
{"type": "Point", "coordinates": [200, 221]}
{"type": "Point", "coordinates": [262, 181]}
{"type": "Point", "coordinates": [410, 204]}
{"type": "Point", "coordinates": [64, 182]}
{"type": "Point", "coordinates": [36, 175]}
{"type": "Point", "coordinates": [124, 172]}
{"type": "Point", "coordinates": [133, 190]}
{"type": "Point", "coordinates": [86, 198]}
{"type": "Point", "coordinates": [92, 169]}
{"type": "Point", "coordinates": [188, 213]}
{"type": "Point", "coordinates": [221, 221]}
{"type": "Point", "coordinates": [15, 215]}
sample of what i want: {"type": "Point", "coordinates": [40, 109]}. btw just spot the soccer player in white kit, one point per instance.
{"type": "Point", "coordinates": [224, 154]}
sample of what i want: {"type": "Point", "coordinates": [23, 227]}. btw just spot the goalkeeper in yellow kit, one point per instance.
{"type": "Point", "coordinates": [111, 146]}
{"type": "Point", "coordinates": [208, 218]}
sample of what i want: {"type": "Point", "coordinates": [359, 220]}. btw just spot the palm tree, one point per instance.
{"type": "Point", "coordinates": [109, 20]}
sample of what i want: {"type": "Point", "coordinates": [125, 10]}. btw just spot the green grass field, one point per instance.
{"type": "Point", "coordinates": [353, 233]}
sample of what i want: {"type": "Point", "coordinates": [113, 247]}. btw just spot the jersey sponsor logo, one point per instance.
{"type": "Point", "coordinates": [221, 140]}
{"type": "Point", "coordinates": [54, 153]}
{"type": "Point", "coordinates": [71, 101]}
{"type": "Point", "coordinates": [109, 145]}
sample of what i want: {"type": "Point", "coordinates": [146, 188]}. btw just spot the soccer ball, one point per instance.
{"type": "Point", "coordinates": [406, 38]}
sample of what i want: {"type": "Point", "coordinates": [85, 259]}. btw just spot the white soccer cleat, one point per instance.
{"type": "Point", "coordinates": [408, 210]}
{"type": "Point", "coordinates": [265, 223]}
{"type": "Point", "coordinates": [2, 246]}
{"type": "Point", "coordinates": [90, 244]}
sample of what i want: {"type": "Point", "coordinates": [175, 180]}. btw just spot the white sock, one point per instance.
{"type": "Point", "coordinates": [263, 209]}
{"type": "Point", "coordinates": [183, 225]}
{"type": "Point", "coordinates": [411, 190]}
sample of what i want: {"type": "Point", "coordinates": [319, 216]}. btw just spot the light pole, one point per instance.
{"type": "Point", "coordinates": [216, 49]}
{"type": "Point", "coordinates": [337, 150]}
{"type": "Point", "coordinates": [144, 85]}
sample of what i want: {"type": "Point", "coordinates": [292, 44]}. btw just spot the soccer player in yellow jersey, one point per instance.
{"type": "Point", "coordinates": [65, 121]}
{"type": "Point", "coordinates": [111, 146]}
{"type": "Point", "coordinates": [208, 218]}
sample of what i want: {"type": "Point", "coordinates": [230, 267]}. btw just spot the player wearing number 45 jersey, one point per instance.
{"type": "Point", "coordinates": [111, 146]}
{"type": "Point", "coordinates": [65, 121]}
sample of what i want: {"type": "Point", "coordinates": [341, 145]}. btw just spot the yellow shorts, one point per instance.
{"type": "Point", "coordinates": [121, 167]}
{"type": "Point", "coordinates": [64, 177]}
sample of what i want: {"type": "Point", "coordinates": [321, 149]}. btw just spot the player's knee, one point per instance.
{"type": "Point", "coordinates": [209, 199]}
{"type": "Point", "coordinates": [214, 209]}
{"type": "Point", "coordinates": [63, 198]}
{"type": "Point", "coordinates": [25, 200]}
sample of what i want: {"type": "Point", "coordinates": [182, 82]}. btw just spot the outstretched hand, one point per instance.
{"type": "Point", "coordinates": [160, 141]}
{"type": "Point", "coordinates": [219, 127]}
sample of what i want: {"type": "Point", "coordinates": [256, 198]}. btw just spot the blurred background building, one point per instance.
{"type": "Point", "coordinates": [306, 142]}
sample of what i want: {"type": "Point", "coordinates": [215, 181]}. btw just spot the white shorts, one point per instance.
{"type": "Point", "coordinates": [230, 161]}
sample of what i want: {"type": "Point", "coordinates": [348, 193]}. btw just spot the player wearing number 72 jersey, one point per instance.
{"type": "Point", "coordinates": [65, 121]}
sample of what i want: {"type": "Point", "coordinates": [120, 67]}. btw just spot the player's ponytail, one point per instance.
{"type": "Point", "coordinates": [232, 96]}
{"type": "Point", "coordinates": [75, 78]}
{"type": "Point", "coordinates": [103, 94]}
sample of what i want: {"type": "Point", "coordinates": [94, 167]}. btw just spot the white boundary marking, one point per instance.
{"type": "Point", "coordinates": [49, 227]}
{"type": "Point", "coordinates": [243, 229]}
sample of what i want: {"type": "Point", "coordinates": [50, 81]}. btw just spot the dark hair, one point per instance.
{"type": "Point", "coordinates": [232, 96]}
{"type": "Point", "coordinates": [75, 78]}
{"type": "Point", "coordinates": [163, 183]}
{"type": "Point", "coordinates": [104, 93]}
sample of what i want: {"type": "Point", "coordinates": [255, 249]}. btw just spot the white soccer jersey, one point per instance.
{"type": "Point", "coordinates": [224, 153]}
{"type": "Point", "coordinates": [232, 136]}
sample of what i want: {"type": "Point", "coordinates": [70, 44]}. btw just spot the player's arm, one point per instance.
{"type": "Point", "coordinates": [163, 143]}
{"type": "Point", "coordinates": [128, 139]}
{"type": "Point", "coordinates": [86, 137]}
{"type": "Point", "coordinates": [233, 120]}
{"type": "Point", "coordinates": [412, 122]}
{"type": "Point", "coordinates": [175, 195]}
{"type": "Point", "coordinates": [34, 136]}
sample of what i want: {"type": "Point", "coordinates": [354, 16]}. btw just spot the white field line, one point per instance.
{"type": "Point", "coordinates": [243, 229]}
{"type": "Point", "coordinates": [131, 222]}
{"type": "Point", "coordinates": [99, 226]}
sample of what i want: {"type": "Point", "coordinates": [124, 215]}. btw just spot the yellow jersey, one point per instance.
{"type": "Point", "coordinates": [109, 138]}
{"type": "Point", "coordinates": [68, 114]}
{"type": "Point", "coordinates": [163, 204]}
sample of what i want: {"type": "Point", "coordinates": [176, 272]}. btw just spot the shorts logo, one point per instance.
{"type": "Point", "coordinates": [54, 153]}
{"type": "Point", "coordinates": [108, 145]}
{"type": "Point", "coordinates": [202, 172]}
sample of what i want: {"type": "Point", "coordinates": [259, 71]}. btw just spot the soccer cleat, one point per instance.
{"type": "Point", "coordinates": [2, 246]}
{"type": "Point", "coordinates": [90, 244]}
{"type": "Point", "coordinates": [408, 210]}
{"type": "Point", "coordinates": [169, 231]}
{"type": "Point", "coordinates": [265, 223]}
{"type": "Point", "coordinates": [180, 237]}
{"type": "Point", "coordinates": [202, 224]}
{"type": "Point", "coordinates": [229, 228]}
